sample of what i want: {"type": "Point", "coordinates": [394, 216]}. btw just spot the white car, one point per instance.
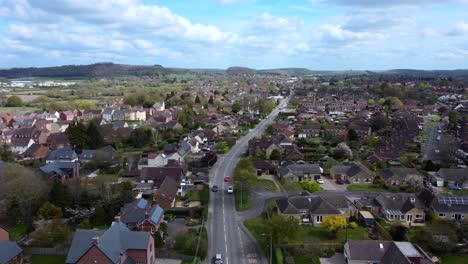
{"type": "Point", "coordinates": [230, 189]}
{"type": "Point", "coordinates": [218, 259]}
{"type": "Point", "coordinates": [437, 151]}
{"type": "Point", "coordinates": [320, 181]}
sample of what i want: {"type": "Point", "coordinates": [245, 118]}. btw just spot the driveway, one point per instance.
{"type": "Point", "coordinates": [330, 185]}
{"type": "Point", "coordinates": [338, 258]}
{"type": "Point", "coordinates": [173, 227]}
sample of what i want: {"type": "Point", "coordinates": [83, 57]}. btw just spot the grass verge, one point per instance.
{"type": "Point", "coordinates": [47, 259]}
{"type": "Point", "coordinates": [364, 187]}
{"type": "Point", "coordinates": [243, 199]}
{"type": "Point", "coordinates": [269, 185]}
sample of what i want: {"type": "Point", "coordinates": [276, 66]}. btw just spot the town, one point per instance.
{"type": "Point", "coordinates": [302, 169]}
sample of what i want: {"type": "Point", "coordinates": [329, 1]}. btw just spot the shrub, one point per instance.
{"type": "Point", "coordinates": [310, 186]}
{"type": "Point", "coordinates": [353, 219]}
{"type": "Point", "coordinates": [353, 225]}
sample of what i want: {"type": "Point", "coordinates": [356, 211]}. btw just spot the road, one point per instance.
{"type": "Point", "coordinates": [432, 143]}
{"type": "Point", "coordinates": [226, 234]}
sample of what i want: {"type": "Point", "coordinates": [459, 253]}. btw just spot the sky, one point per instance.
{"type": "Point", "coordinates": [261, 34]}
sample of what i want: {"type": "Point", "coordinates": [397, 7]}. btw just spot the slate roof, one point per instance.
{"type": "Point", "coordinates": [87, 154]}
{"type": "Point", "coordinates": [399, 201]}
{"type": "Point", "coordinates": [367, 249]}
{"type": "Point", "coordinates": [65, 153]}
{"type": "Point", "coordinates": [60, 168]}
{"type": "Point", "coordinates": [458, 175]}
{"type": "Point", "coordinates": [134, 212]}
{"type": "Point", "coordinates": [8, 250]}
{"type": "Point", "coordinates": [160, 173]}
{"type": "Point", "coordinates": [300, 169]}
{"type": "Point", "coordinates": [167, 192]}
{"type": "Point", "coordinates": [316, 205]}
{"type": "Point", "coordinates": [351, 169]}
{"type": "Point", "coordinates": [118, 238]}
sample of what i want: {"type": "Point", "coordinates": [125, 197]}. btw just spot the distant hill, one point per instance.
{"type": "Point", "coordinates": [92, 70]}
{"type": "Point", "coordinates": [110, 69]}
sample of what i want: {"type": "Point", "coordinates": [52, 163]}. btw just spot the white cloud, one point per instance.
{"type": "Point", "coordinates": [336, 33]}
{"type": "Point", "coordinates": [429, 32]}
{"type": "Point", "coordinates": [461, 28]}
{"type": "Point", "coordinates": [226, 2]}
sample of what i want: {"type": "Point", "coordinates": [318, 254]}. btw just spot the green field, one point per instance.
{"type": "Point", "coordinates": [48, 259]}
{"type": "Point", "coordinates": [16, 109]}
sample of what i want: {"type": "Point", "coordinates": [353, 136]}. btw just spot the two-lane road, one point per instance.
{"type": "Point", "coordinates": [225, 235]}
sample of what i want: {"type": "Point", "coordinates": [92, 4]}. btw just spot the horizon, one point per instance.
{"type": "Point", "coordinates": [334, 35]}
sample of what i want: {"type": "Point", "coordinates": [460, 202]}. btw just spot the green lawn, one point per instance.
{"type": "Point", "coordinates": [364, 187]}
{"type": "Point", "coordinates": [16, 109]}
{"type": "Point", "coordinates": [306, 258]}
{"type": "Point", "coordinates": [311, 233]}
{"type": "Point", "coordinates": [291, 186]}
{"type": "Point", "coordinates": [244, 203]}
{"type": "Point", "coordinates": [267, 184]}
{"type": "Point", "coordinates": [18, 231]}
{"type": "Point", "coordinates": [461, 192]}
{"type": "Point", "coordinates": [454, 259]}
{"type": "Point", "coordinates": [48, 259]}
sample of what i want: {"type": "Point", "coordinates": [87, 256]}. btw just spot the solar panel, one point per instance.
{"type": "Point", "coordinates": [453, 200]}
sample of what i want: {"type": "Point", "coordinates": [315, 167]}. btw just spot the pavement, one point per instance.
{"type": "Point", "coordinates": [226, 232]}
{"type": "Point", "coordinates": [338, 258]}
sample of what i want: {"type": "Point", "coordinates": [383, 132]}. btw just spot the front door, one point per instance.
{"type": "Point", "coordinates": [458, 217]}
{"type": "Point", "coordinates": [409, 218]}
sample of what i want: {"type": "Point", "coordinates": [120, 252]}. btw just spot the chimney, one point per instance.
{"type": "Point", "coordinates": [95, 240]}
{"type": "Point", "coordinates": [146, 214]}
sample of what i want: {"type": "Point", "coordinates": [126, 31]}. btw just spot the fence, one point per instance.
{"type": "Point", "coordinates": [45, 251]}
{"type": "Point", "coordinates": [382, 232]}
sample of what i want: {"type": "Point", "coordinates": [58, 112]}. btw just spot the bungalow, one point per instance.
{"type": "Point", "coordinates": [401, 207]}
{"type": "Point", "coordinates": [312, 209]}
{"type": "Point", "coordinates": [455, 176]}
{"type": "Point", "coordinates": [61, 169]}
{"type": "Point", "coordinates": [453, 208]}
{"type": "Point", "coordinates": [354, 172]}
{"type": "Point", "coordinates": [264, 167]}
{"type": "Point", "coordinates": [378, 251]}
{"type": "Point", "coordinates": [65, 154]}
{"type": "Point", "coordinates": [395, 176]}
{"type": "Point", "coordinates": [115, 245]}
{"type": "Point", "coordinates": [299, 172]}
{"type": "Point", "coordinates": [36, 151]}
{"type": "Point", "coordinates": [141, 215]}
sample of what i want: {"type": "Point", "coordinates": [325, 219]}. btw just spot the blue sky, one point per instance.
{"type": "Point", "coordinates": [316, 34]}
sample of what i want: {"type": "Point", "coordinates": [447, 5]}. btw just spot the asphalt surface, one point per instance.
{"type": "Point", "coordinates": [432, 143]}
{"type": "Point", "coordinates": [226, 233]}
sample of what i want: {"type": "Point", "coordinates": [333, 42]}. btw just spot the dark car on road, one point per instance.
{"type": "Point", "coordinates": [214, 188]}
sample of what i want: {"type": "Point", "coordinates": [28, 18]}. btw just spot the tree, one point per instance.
{"type": "Point", "coordinates": [83, 105]}
{"type": "Point", "coordinates": [49, 211]}
{"type": "Point", "coordinates": [352, 135]}
{"type": "Point", "coordinates": [14, 101]}
{"type": "Point", "coordinates": [453, 116]}
{"type": "Point", "coordinates": [269, 129]}
{"type": "Point", "coordinates": [22, 191]}
{"type": "Point", "coordinates": [6, 154]}
{"type": "Point", "coordinates": [236, 107]}
{"type": "Point", "coordinates": [211, 100]}
{"type": "Point", "coordinates": [448, 149]}
{"type": "Point", "coordinates": [398, 232]}
{"type": "Point", "coordinates": [244, 174]}
{"type": "Point", "coordinates": [266, 106]}
{"type": "Point", "coordinates": [77, 135]}
{"type": "Point", "coordinates": [141, 137]}
{"type": "Point", "coordinates": [370, 102]}
{"type": "Point", "coordinates": [275, 154]}
{"type": "Point", "coordinates": [282, 229]}
{"type": "Point", "coordinates": [54, 234]}
{"type": "Point", "coordinates": [378, 121]}
{"type": "Point", "coordinates": [95, 139]}
{"type": "Point", "coordinates": [343, 151]}
{"type": "Point", "coordinates": [197, 99]}
{"type": "Point", "coordinates": [334, 223]}
{"type": "Point", "coordinates": [310, 186]}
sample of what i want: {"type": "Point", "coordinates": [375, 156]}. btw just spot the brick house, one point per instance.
{"type": "Point", "coordinates": [115, 245]}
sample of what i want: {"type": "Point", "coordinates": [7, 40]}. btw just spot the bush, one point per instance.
{"type": "Point", "coordinates": [310, 186]}
{"type": "Point", "coordinates": [353, 219]}
{"type": "Point", "coordinates": [353, 225]}
{"type": "Point", "coordinates": [398, 232]}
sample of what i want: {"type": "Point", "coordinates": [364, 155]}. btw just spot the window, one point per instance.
{"type": "Point", "coordinates": [356, 180]}
{"type": "Point", "coordinates": [367, 180]}
{"type": "Point", "coordinates": [391, 217]}
{"type": "Point", "coordinates": [418, 216]}
{"type": "Point", "coordinates": [442, 215]}
{"type": "Point", "coordinates": [318, 219]}
{"type": "Point", "coordinates": [402, 217]}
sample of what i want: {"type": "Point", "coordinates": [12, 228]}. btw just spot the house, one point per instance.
{"type": "Point", "coordinates": [299, 172]}
{"type": "Point", "coordinates": [165, 196]}
{"type": "Point", "coordinates": [20, 145]}
{"type": "Point", "coordinates": [159, 106]}
{"type": "Point", "coordinates": [10, 253]}
{"type": "Point", "coordinates": [61, 169]}
{"type": "Point", "coordinates": [159, 160]}
{"type": "Point", "coordinates": [89, 115]}
{"type": "Point", "coordinates": [453, 208]}
{"type": "Point", "coordinates": [118, 115]}
{"type": "Point", "coordinates": [395, 176]}
{"type": "Point", "coordinates": [67, 116]}
{"type": "Point", "coordinates": [454, 176]}
{"type": "Point", "coordinates": [141, 215]}
{"type": "Point", "coordinates": [87, 155]}
{"type": "Point", "coordinates": [353, 172]}
{"type": "Point", "coordinates": [312, 209]}
{"type": "Point", "coordinates": [107, 114]}
{"type": "Point", "coordinates": [36, 151]}
{"type": "Point", "coordinates": [379, 251]}
{"type": "Point", "coordinates": [157, 175]}
{"type": "Point", "coordinates": [402, 207]}
{"type": "Point", "coordinates": [58, 140]}
{"type": "Point", "coordinates": [4, 235]}
{"type": "Point", "coordinates": [115, 245]}
{"type": "Point", "coordinates": [264, 167]}
{"type": "Point", "coordinates": [65, 154]}
{"type": "Point", "coordinates": [309, 131]}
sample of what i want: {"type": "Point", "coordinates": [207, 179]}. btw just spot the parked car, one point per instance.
{"type": "Point", "coordinates": [319, 181]}
{"type": "Point", "coordinates": [186, 203]}
{"type": "Point", "coordinates": [340, 182]}
{"type": "Point", "coordinates": [438, 138]}
{"type": "Point", "coordinates": [230, 189]}
{"type": "Point", "coordinates": [454, 187]}
{"type": "Point", "coordinates": [214, 188]}
{"type": "Point", "coordinates": [227, 179]}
